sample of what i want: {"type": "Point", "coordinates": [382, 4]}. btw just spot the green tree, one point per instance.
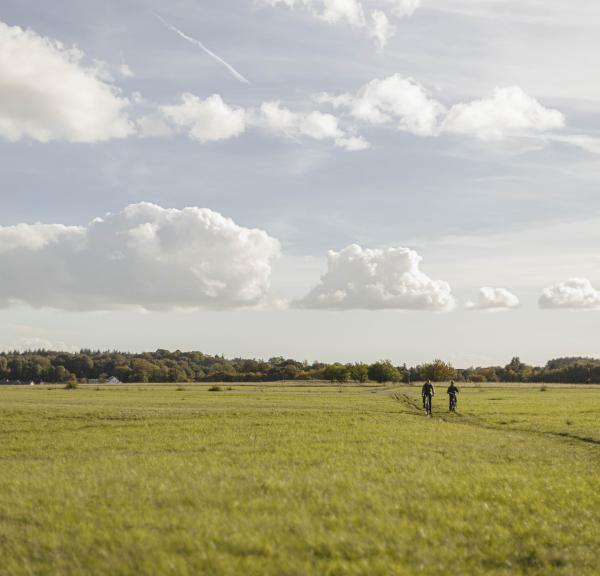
{"type": "Point", "coordinates": [359, 372]}
{"type": "Point", "coordinates": [336, 373]}
{"type": "Point", "coordinates": [384, 371]}
{"type": "Point", "coordinates": [437, 371]}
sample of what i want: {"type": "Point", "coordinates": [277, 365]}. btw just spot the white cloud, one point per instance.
{"type": "Point", "coordinates": [395, 99]}
{"type": "Point", "coordinates": [207, 120]}
{"type": "Point", "coordinates": [404, 7]}
{"type": "Point", "coordinates": [144, 256]}
{"type": "Point", "coordinates": [371, 16]}
{"type": "Point", "coordinates": [493, 299]}
{"type": "Point", "coordinates": [405, 102]}
{"type": "Point", "coordinates": [315, 125]}
{"type": "Point", "coordinates": [352, 143]}
{"type": "Point", "coordinates": [126, 71]}
{"type": "Point", "coordinates": [509, 112]}
{"type": "Point", "coordinates": [381, 29]}
{"type": "Point", "coordinates": [375, 279]}
{"type": "Point", "coordinates": [48, 94]}
{"type": "Point", "coordinates": [574, 293]}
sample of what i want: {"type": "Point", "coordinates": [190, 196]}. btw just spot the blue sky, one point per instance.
{"type": "Point", "coordinates": [387, 161]}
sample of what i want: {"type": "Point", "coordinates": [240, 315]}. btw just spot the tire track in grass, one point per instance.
{"type": "Point", "coordinates": [472, 420]}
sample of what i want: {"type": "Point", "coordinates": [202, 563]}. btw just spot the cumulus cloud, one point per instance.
{"type": "Point", "coordinates": [49, 94]}
{"type": "Point", "coordinates": [402, 101]}
{"type": "Point", "coordinates": [395, 99]}
{"type": "Point", "coordinates": [371, 16]}
{"type": "Point", "coordinates": [207, 120]}
{"type": "Point", "coordinates": [144, 256]}
{"type": "Point", "coordinates": [376, 279]}
{"type": "Point", "coordinates": [574, 293]}
{"type": "Point", "coordinates": [509, 112]}
{"type": "Point", "coordinates": [493, 299]}
{"type": "Point", "coordinates": [315, 125]}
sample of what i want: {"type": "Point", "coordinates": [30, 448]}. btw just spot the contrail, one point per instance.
{"type": "Point", "coordinates": [229, 67]}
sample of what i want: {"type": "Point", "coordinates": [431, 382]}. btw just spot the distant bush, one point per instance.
{"type": "Point", "coordinates": [180, 389]}
{"type": "Point", "coordinates": [543, 388]}
{"type": "Point", "coordinates": [215, 389]}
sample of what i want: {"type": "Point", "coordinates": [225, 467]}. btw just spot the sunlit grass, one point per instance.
{"type": "Point", "coordinates": [298, 480]}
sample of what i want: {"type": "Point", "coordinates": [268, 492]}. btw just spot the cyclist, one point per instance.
{"type": "Point", "coordinates": [427, 392]}
{"type": "Point", "coordinates": [452, 392]}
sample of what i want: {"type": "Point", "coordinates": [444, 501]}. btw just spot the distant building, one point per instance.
{"type": "Point", "coordinates": [113, 380]}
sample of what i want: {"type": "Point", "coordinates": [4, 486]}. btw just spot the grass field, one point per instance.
{"type": "Point", "coordinates": [288, 480]}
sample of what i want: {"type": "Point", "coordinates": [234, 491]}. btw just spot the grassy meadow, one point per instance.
{"type": "Point", "coordinates": [293, 480]}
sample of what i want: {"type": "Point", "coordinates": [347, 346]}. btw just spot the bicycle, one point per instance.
{"type": "Point", "coordinates": [427, 404]}
{"type": "Point", "coordinates": [453, 401]}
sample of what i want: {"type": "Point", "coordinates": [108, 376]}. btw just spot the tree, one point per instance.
{"type": "Point", "coordinates": [384, 371]}
{"type": "Point", "coordinates": [336, 373]}
{"type": "Point", "coordinates": [516, 371]}
{"type": "Point", "coordinates": [437, 371]}
{"type": "Point", "coordinates": [359, 372]}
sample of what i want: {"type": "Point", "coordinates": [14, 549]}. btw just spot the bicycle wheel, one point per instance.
{"type": "Point", "coordinates": [428, 405]}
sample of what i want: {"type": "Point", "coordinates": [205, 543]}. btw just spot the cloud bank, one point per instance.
{"type": "Point", "coordinates": [48, 94]}
{"type": "Point", "coordinates": [144, 257]}
{"type": "Point", "coordinates": [575, 293]}
{"type": "Point", "coordinates": [493, 299]}
{"type": "Point", "coordinates": [377, 279]}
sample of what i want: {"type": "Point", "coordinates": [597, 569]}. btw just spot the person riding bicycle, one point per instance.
{"type": "Point", "coordinates": [427, 392]}
{"type": "Point", "coordinates": [452, 392]}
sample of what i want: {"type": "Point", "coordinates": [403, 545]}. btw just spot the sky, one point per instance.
{"type": "Point", "coordinates": [334, 180]}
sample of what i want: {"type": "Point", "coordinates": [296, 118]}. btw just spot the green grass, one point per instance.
{"type": "Point", "coordinates": [288, 480]}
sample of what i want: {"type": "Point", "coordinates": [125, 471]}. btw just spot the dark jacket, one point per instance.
{"type": "Point", "coordinates": [428, 390]}
{"type": "Point", "coordinates": [452, 389]}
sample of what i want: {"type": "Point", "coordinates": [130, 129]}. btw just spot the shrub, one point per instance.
{"type": "Point", "coordinates": [72, 384]}
{"type": "Point", "coordinates": [215, 389]}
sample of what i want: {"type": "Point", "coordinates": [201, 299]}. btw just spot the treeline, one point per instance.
{"type": "Point", "coordinates": [177, 366]}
